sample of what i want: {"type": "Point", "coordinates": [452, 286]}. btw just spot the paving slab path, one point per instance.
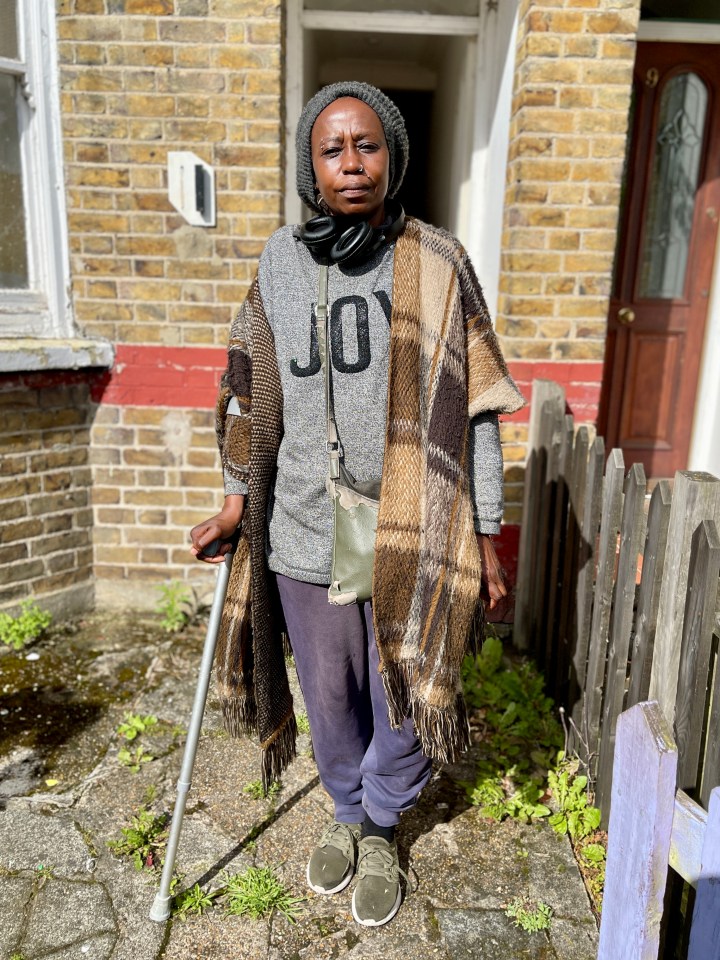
{"type": "Point", "coordinates": [64, 794]}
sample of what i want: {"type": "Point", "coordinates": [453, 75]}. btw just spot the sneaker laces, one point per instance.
{"type": "Point", "coordinates": [340, 836]}
{"type": "Point", "coordinates": [381, 862]}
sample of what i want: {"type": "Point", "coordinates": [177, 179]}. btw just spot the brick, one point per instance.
{"type": "Point", "coordinates": [541, 45]}
{"type": "Point", "coordinates": [576, 97]}
{"type": "Point", "coordinates": [582, 307]}
{"type": "Point", "coordinates": [580, 46]}
{"type": "Point", "coordinates": [564, 240]}
{"type": "Point", "coordinates": [588, 262]}
{"type": "Point", "coordinates": [565, 22]}
{"type": "Point", "coordinates": [612, 22]}
{"type": "Point", "coordinates": [548, 121]}
{"type": "Point", "coordinates": [581, 350]}
{"type": "Point", "coordinates": [613, 72]}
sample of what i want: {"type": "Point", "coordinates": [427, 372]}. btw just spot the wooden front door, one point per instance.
{"type": "Point", "coordinates": [668, 227]}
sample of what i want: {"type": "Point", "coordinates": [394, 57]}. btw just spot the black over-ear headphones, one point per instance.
{"type": "Point", "coordinates": [348, 241]}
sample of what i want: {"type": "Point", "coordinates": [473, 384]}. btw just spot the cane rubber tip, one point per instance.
{"type": "Point", "coordinates": [160, 910]}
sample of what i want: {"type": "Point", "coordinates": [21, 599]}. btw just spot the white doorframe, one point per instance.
{"type": "Point", "coordinates": [705, 442]}
{"type": "Point", "coordinates": [480, 198]}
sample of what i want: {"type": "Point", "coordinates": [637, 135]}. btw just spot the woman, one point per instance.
{"type": "Point", "coordinates": [418, 381]}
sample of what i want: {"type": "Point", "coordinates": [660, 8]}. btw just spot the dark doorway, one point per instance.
{"type": "Point", "coordinates": [416, 106]}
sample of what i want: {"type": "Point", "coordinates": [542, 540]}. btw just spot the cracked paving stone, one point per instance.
{"type": "Point", "coordinates": [490, 935]}
{"type": "Point", "coordinates": [94, 948]}
{"type": "Point", "coordinates": [574, 941]}
{"type": "Point", "coordinates": [16, 892]}
{"type": "Point", "coordinates": [28, 840]}
{"type": "Point", "coordinates": [66, 913]}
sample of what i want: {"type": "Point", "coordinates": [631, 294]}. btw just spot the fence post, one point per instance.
{"type": "Point", "coordinates": [649, 595]}
{"type": "Point", "coordinates": [711, 766]}
{"type": "Point", "coordinates": [604, 589]}
{"type": "Point", "coordinates": [696, 650]}
{"type": "Point", "coordinates": [705, 931]}
{"type": "Point", "coordinates": [543, 390]}
{"type": "Point", "coordinates": [568, 626]}
{"type": "Point", "coordinates": [643, 801]}
{"type": "Point", "coordinates": [696, 497]}
{"type": "Point", "coordinates": [631, 539]}
{"type": "Point", "coordinates": [586, 576]}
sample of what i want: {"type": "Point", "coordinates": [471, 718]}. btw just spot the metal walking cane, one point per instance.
{"type": "Point", "coordinates": [160, 909]}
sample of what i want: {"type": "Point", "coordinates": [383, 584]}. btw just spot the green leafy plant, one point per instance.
{"type": "Point", "coordinates": [257, 892]}
{"type": "Point", "coordinates": [303, 724]}
{"type": "Point", "coordinates": [255, 790]}
{"type": "Point", "coordinates": [575, 814]}
{"type": "Point", "coordinates": [144, 840]}
{"type": "Point", "coordinates": [528, 915]}
{"type": "Point", "coordinates": [174, 605]}
{"type": "Point", "coordinates": [133, 760]}
{"type": "Point", "coordinates": [594, 853]}
{"type": "Point", "coordinates": [134, 724]}
{"type": "Point", "coordinates": [591, 855]}
{"type": "Point", "coordinates": [18, 631]}
{"type": "Point", "coordinates": [520, 735]}
{"type": "Point", "coordinates": [195, 900]}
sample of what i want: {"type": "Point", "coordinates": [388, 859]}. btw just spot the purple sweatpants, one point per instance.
{"type": "Point", "coordinates": [363, 763]}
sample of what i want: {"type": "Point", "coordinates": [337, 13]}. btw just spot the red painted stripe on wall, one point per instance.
{"type": "Point", "coordinates": [581, 382]}
{"type": "Point", "coordinates": [157, 376]}
{"type": "Point", "coordinates": [154, 376]}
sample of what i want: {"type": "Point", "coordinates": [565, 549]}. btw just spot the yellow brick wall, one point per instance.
{"type": "Point", "coordinates": [45, 480]}
{"type": "Point", "coordinates": [140, 78]}
{"type": "Point", "coordinates": [568, 133]}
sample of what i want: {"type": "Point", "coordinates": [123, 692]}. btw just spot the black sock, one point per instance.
{"type": "Point", "coordinates": [372, 829]}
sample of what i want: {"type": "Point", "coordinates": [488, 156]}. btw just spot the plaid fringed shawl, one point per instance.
{"type": "Point", "coordinates": [445, 367]}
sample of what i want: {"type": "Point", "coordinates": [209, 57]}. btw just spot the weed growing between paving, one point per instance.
{"type": "Point", "coordinates": [179, 606]}
{"type": "Point", "coordinates": [255, 892]}
{"type": "Point", "coordinates": [522, 772]}
{"type": "Point", "coordinates": [256, 791]}
{"type": "Point", "coordinates": [528, 915]}
{"type": "Point", "coordinates": [303, 724]}
{"type": "Point", "coordinates": [27, 626]}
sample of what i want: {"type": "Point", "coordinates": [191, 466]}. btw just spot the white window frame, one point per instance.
{"type": "Point", "coordinates": [44, 310]}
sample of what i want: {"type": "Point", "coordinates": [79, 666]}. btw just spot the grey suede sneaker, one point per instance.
{"type": "Point", "coordinates": [377, 895]}
{"type": "Point", "coordinates": [332, 865]}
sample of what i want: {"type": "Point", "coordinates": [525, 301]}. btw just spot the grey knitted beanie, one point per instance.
{"type": "Point", "coordinates": [390, 117]}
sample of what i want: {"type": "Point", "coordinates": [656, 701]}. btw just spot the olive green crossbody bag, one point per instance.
{"type": "Point", "coordinates": [355, 505]}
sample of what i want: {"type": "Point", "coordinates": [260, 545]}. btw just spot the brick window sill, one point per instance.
{"type": "Point", "coordinates": [29, 354]}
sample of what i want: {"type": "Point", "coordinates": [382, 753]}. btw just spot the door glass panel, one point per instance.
{"type": "Point", "coordinates": [8, 29]}
{"type": "Point", "coordinates": [673, 184]}
{"type": "Point", "coordinates": [13, 247]}
{"type": "Point", "coordinates": [456, 8]}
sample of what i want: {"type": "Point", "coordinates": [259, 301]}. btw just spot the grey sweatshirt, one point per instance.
{"type": "Point", "coordinates": [359, 299]}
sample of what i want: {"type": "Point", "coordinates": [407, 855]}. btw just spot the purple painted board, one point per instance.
{"type": "Point", "coordinates": [705, 933]}
{"type": "Point", "coordinates": [643, 799]}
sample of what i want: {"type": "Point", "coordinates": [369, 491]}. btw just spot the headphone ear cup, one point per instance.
{"type": "Point", "coordinates": [352, 243]}
{"type": "Point", "coordinates": [319, 233]}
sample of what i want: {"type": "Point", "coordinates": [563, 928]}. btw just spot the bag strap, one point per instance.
{"type": "Point", "coordinates": [333, 442]}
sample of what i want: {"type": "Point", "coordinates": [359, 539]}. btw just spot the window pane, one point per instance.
{"type": "Point", "coordinates": [8, 29]}
{"type": "Point", "coordinates": [673, 184]}
{"type": "Point", "coordinates": [13, 248]}
{"type": "Point", "coordinates": [457, 8]}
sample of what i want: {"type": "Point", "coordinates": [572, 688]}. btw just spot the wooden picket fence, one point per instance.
{"type": "Point", "coordinates": [617, 600]}
{"type": "Point", "coordinates": [652, 826]}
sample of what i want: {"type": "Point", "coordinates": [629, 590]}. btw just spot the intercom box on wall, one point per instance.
{"type": "Point", "coordinates": [191, 186]}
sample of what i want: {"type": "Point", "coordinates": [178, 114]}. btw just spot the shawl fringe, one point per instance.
{"type": "Point", "coordinates": [278, 752]}
{"type": "Point", "coordinates": [443, 732]}
{"type": "Point", "coordinates": [239, 715]}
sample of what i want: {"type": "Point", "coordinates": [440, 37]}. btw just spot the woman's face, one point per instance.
{"type": "Point", "coordinates": [351, 160]}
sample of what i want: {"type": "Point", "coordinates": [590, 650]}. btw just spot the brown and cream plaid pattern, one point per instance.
{"type": "Point", "coordinates": [445, 367]}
